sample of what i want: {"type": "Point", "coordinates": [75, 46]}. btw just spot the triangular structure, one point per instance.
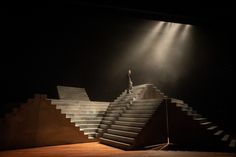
{"type": "Point", "coordinates": [147, 117]}
{"type": "Point", "coordinates": [38, 123]}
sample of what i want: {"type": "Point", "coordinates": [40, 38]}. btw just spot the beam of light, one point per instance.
{"type": "Point", "coordinates": [168, 55]}
{"type": "Point", "coordinates": [138, 48]}
{"type": "Point", "coordinates": [161, 49]}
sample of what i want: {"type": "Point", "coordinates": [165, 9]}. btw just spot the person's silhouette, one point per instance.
{"type": "Point", "coordinates": [130, 83]}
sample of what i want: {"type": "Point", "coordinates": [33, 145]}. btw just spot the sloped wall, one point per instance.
{"type": "Point", "coordinates": [155, 131]}
{"type": "Point", "coordinates": [38, 123]}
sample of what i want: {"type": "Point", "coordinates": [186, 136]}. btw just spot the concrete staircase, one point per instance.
{"type": "Point", "coordinates": [86, 115]}
{"type": "Point", "coordinates": [147, 117]}
{"type": "Point", "coordinates": [126, 117]}
{"type": "Point", "coordinates": [196, 130]}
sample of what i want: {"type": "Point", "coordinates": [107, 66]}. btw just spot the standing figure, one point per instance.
{"type": "Point", "coordinates": [130, 83]}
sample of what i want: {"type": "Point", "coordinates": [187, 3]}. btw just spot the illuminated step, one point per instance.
{"type": "Point", "coordinates": [219, 132]}
{"type": "Point", "coordinates": [82, 126]}
{"type": "Point", "coordinates": [132, 124]}
{"type": "Point", "coordinates": [77, 111]}
{"type": "Point", "coordinates": [225, 138]}
{"type": "Point", "coordinates": [87, 130]}
{"type": "Point", "coordinates": [200, 119]}
{"type": "Point", "coordinates": [212, 127]}
{"type": "Point", "coordinates": [151, 101]}
{"type": "Point", "coordinates": [109, 118]}
{"type": "Point", "coordinates": [114, 111]}
{"type": "Point", "coordinates": [206, 123]}
{"type": "Point", "coordinates": [122, 133]}
{"type": "Point", "coordinates": [126, 128]}
{"type": "Point", "coordinates": [82, 107]}
{"type": "Point", "coordinates": [103, 126]}
{"type": "Point", "coordinates": [79, 122]}
{"type": "Point", "coordinates": [133, 119]}
{"type": "Point", "coordinates": [116, 108]}
{"type": "Point", "coordinates": [112, 114]}
{"type": "Point", "coordinates": [119, 138]}
{"type": "Point", "coordinates": [108, 122]}
{"type": "Point", "coordinates": [85, 115]}
{"type": "Point", "coordinates": [74, 119]}
{"type": "Point", "coordinates": [232, 143]}
{"type": "Point", "coordinates": [114, 143]}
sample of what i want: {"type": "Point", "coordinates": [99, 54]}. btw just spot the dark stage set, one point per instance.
{"type": "Point", "coordinates": [181, 58]}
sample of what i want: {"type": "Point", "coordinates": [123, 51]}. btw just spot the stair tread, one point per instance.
{"type": "Point", "coordinates": [119, 136]}
{"type": "Point", "coordinates": [212, 127]}
{"type": "Point", "coordinates": [218, 132]}
{"type": "Point", "coordinates": [125, 132]}
{"type": "Point", "coordinates": [126, 126]}
{"type": "Point", "coordinates": [206, 123]}
{"type": "Point", "coordinates": [90, 133]}
{"type": "Point", "coordinates": [113, 141]}
{"type": "Point", "coordinates": [225, 137]}
{"type": "Point", "coordinates": [232, 143]}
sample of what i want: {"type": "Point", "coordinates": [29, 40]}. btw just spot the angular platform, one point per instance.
{"type": "Point", "coordinates": [143, 119]}
{"type": "Point", "coordinates": [72, 93]}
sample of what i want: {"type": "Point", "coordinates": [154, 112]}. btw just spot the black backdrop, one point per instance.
{"type": "Point", "coordinates": [79, 46]}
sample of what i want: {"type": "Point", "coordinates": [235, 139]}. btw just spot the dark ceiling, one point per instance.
{"type": "Point", "coordinates": [190, 12]}
{"type": "Point", "coordinates": [193, 12]}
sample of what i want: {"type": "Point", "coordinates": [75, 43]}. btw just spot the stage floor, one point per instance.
{"type": "Point", "coordinates": [95, 149]}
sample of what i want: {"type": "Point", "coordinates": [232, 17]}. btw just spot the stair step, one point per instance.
{"type": "Point", "coordinates": [136, 115]}
{"type": "Point", "coordinates": [109, 118]}
{"type": "Point", "coordinates": [133, 119]}
{"type": "Point", "coordinates": [219, 132]}
{"type": "Point", "coordinates": [85, 121]}
{"type": "Point", "coordinates": [114, 111]}
{"type": "Point", "coordinates": [119, 104]}
{"type": "Point", "coordinates": [91, 133]}
{"type": "Point", "coordinates": [86, 125]}
{"type": "Point", "coordinates": [85, 115]}
{"type": "Point", "coordinates": [126, 128]}
{"type": "Point", "coordinates": [114, 143]}
{"type": "Point", "coordinates": [137, 107]}
{"type": "Point", "coordinates": [225, 138]}
{"type": "Point", "coordinates": [148, 100]}
{"type": "Point", "coordinates": [91, 137]}
{"type": "Point", "coordinates": [116, 108]}
{"type": "Point", "coordinates": [195, 115]}
{"type": "Point", "coordinates": [83, 111]}
{"type": "Point", "coordinates": [119, 138]}
{"type": "Point", "coordinates": [140, 103]}
{"type": "Point", "coordinates": [89, 129]}
{"type": "Point", "coordinates": [103, 126]}
{"type": "Point", "coordinates": [200, 119]}
{"type": "Point", "coordinates": [81, 107]}
{"type": "Point", "coordinates": [139, 111]}
{"type": "Point", "coordinates": [122, 133]}
{"type": "Point", "coordinates": [99, 130]}
{"type": "Point", "coordinates": [132, 124]}
{"type": "Point", "coordinates": [106, 122]}
{"type": "Point", "coordinates": [206, 123]}
{"type": "Point", "coordinates": [112, 115]}
{"type": "Point", "coordinates": [76, 102]}
{"type": "Point", "coordinates": [232, 143]}
{"type": "Point", "coordinates": [86, 118]}
{"type": "Point", "coordinates": [212, 127]}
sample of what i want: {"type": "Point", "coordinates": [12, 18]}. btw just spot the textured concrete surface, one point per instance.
{"type": "Point", "coordinates": [72, 93]}
{"type": "Point", "coordinates": [38, 123]}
